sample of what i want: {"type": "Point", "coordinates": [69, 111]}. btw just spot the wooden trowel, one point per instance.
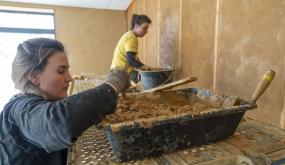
{"type": "Point", "coordinates": [268, 76]}
{"type": "Point", "coordinates": [260, 89]}
{"type": "Point", "coordinates": [262, 85]}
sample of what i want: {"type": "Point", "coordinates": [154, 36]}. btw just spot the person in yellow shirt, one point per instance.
{"type": "Point", "coordinates": [125, 55]}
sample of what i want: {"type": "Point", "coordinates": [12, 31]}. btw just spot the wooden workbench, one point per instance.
{"type": "Point", "coordinates": [252, 143]}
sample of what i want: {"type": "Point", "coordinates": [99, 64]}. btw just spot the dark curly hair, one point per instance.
{"type": "Point", "coordinates": [139, 19]}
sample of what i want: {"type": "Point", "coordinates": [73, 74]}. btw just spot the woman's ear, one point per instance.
{"type": "Point", "coordinates": [34, 78]}
{"type": "Point", "coordinates": [136, 26]}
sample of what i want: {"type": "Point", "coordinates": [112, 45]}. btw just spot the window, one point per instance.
{"type": "Point", "coordinates": [17, 25]}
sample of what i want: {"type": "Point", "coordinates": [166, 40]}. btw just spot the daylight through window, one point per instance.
{"type": "Point", "coordinates": [17, 25]}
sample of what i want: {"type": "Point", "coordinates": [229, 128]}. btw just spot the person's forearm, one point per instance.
{"type": "Point", "coordinates": [91, 106]}
{"type": "Point", "coordinates": [55, 125]}
{"type": "Point", "coordinates": [132, 61]}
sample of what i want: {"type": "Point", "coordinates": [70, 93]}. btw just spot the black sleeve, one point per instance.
{"type": "Point", "coordinates": [55, 125]}
{"type": "Point", "coordinates": [132, 61]}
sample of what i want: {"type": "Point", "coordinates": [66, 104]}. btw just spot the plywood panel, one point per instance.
{"type": "Point", "coordinates": [169, 32]}
{"type": "Point", "coordinates": [197, 38]}
{"type": "Point", "coordinates": [251, 41]}
{"type": "Point", "coordinates": [130, 11]}
{"type": "Point", "coordinates": [90, 37]}
{"type": "Point", "coordinates": [139, 6]}
{"type": "Point", "coordinates": [151, 38]}
{"type": "Point", "coordinates": [247, 39]}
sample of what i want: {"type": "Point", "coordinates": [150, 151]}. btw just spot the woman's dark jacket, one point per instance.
{"type": "Point", "coordinates": [35, 131]}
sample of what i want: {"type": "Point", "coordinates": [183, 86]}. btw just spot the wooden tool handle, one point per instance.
{"type": "Point", "coordinates": [172, 84]}
{"type": "Point", "coordinates": [262, 85]}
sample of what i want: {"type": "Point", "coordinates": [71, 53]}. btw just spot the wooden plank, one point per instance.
{"type": "Point", "coordinates": [229, 148]}
{"type": "Point", "coordinates": [171, 85]}
{"type": "Point", "coordinates": [277, 156]}
{"type": "Point", "coordinates": [261, 137]}
{"type": "Point", "coordinates": [230, 160]}
{"type": "Point", "coordinates": [239, 142]}
{"type": "Point", "coordinates": [206, 153]}
{"type": "Point", "coordinates": [174, 159]}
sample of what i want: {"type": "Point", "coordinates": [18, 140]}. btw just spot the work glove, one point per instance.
{"type": "Point", "coordinates": [145, 68]}
{"type": "Point", "coordinates": [118, 79]}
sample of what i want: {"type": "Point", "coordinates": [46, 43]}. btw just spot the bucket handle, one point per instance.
{"type": "Point", "coordinates": [139, 76]}
{"type": "Point", "coordinates": [169, 77]}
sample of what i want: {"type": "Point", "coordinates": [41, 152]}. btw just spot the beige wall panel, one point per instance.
{"type": "Point", "coordinates": [130, 11]}
{"type": "Point", "coordinates": [151, 38]}
{"type": "Point", "coordinates": [89, 35]}
{"type": "Point", "coordinates": [197, 38]}
{"type": "Point", "coordinates": [169, 31]}
{"type": "Point", "coordinates": [251, 41]}
{"type": "Point", "coordinates": [139, 6]}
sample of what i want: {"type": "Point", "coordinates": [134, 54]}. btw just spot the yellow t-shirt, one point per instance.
{"type": "Point", "coordinates": [128, 42]}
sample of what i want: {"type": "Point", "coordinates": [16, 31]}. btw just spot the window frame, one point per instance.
{"type": "Point", "coordinates": [27, 30]}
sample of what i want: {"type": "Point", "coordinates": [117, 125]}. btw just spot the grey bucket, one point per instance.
{"type": "Point", "coordinates": [156, 77]}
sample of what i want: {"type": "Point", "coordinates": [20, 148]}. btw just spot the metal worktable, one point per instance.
{"type": "Point", "coordinates": [253, 143]}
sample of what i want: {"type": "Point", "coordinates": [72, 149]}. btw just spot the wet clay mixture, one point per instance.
{"type": "Point", "coordinates": [151, 105]}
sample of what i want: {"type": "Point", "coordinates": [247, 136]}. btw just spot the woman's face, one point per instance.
{"type": "Point", "coordinates": [54, 80]}
{"type": "Point", "coordinates": [141, 30]}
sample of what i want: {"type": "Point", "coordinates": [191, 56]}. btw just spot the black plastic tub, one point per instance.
{"type": "Point", "coordinates": [151, 137]}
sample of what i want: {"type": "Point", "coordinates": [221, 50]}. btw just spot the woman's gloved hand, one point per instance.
{"type": "Point", "coordinates": [118, 79]}
{"type": "Point", "coordinates": [145, 68]}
